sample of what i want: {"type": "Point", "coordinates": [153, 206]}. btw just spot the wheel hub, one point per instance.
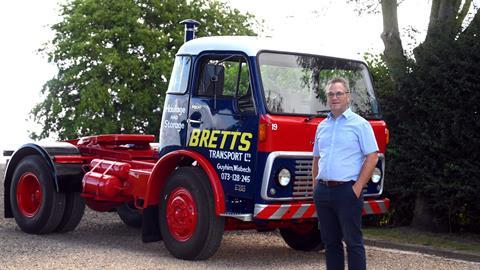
{"type": "Point", "coordinates": [29, 194]}
{"type": "Point", "coordinates": [182, 214]}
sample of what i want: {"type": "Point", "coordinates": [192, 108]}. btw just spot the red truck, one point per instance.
{"type": "Point", "coordinates": [235, 152]}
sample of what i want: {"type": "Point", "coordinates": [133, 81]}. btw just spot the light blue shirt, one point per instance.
{"type": "Point", "coordinates": [342, 145]}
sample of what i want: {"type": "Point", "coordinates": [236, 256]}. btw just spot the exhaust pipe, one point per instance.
{"type": "Point", "coordinates": [190, 28]}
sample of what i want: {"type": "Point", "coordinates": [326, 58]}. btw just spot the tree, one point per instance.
{"type": "Point", "coordinates": [114, 59]}
{"type": "Point", "coordinates": [432, 108]}
{"type": "Point", "coordinates": [447, 21]}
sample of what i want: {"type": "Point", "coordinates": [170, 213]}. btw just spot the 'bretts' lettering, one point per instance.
{"type": "Point", "coordinates": [219, 138]}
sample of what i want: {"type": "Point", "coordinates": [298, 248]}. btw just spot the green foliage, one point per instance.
{"type": "Point", "coordinates": [114, 58]}
{"type": "Point", "coordinates": [434, 119]}
{"type": "Point", "coordinates": [234, 80]}
{"type": "Point", "coordinates": [401, 194]}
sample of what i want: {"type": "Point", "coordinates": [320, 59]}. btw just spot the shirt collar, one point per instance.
{"type": "Point", "coordinates": [347, 113]}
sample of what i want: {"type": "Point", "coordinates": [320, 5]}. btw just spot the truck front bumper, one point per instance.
{"type": "Point", "coordinates": [307, 210]}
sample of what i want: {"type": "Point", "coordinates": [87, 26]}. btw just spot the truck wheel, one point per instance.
{"type": "Point", "coordinates": [130, 215]}
{"type": "Point", "coordinates": [37, 207]}
{"type": "Point", "coordinates": [304, 237]}
{"type": "Point", "coordinates": [74, 209]}
{"type": "Point", "coordinates": [189, 226]}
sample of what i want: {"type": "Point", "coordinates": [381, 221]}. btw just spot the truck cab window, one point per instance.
{"type": "Point", "coordinates": [228, 79]}
{"type": "Point", "coordinates": [179, 78]}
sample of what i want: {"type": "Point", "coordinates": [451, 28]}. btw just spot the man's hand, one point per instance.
{"type": "Point", "coordinates": [357, 189]}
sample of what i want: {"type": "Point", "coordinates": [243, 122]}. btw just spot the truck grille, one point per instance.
{"type": "Point", "coordinates": [302, 185]}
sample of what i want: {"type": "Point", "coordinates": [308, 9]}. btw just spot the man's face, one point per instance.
{"type": "Point", "coordinates": [338, 98]}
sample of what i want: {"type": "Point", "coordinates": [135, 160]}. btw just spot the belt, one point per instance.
{"type": "Point", "coordinates": [332, 183]}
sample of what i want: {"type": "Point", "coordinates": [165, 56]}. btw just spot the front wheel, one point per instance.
{"type": "Point", "coordinates": [37, 207]}
{"type": "Point", "coordinates": [304, 237]}
{"type": "Point", "coordinates": [190, 228]}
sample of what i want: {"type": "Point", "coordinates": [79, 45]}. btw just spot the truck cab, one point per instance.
{"type": "Point", "coordinates": [251, 107]}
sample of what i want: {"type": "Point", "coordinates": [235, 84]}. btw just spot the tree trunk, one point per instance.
{"type": "Point", "coordinates": [423, 218]}
{"type": "Point", "coordinates": [446, 18]}
{"type": "Point", "coordinates": [445, 25]}
{"type": "Point", "coordinates": [393, 53]}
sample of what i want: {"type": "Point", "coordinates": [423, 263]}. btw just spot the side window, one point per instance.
{"type": "Point", "coordinates": [227, 78]}
{"type": "Point", "coordinates": [179, 78]}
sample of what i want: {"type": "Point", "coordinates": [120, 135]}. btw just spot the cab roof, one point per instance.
{"type": "Point", "coordinates": [251, 46]}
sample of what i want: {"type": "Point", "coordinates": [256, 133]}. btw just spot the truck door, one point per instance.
{"type": "Point", "coordinates": [222, 120]}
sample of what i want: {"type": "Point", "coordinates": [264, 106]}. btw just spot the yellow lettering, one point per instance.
{"type": "Point", "coordinates": [224, 138]}
{"type": "Point", "coordinates": [204, 138]}
{"type": "Point", "coordinates": [234, 139]}
{"type": "Point", "coordinates": [245, 143]}
{"type": "Point", "coordinates": [194, 137]}
{"type": "Point", "coordinates": [213, 139]}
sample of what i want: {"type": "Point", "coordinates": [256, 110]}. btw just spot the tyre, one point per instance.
{"type": "Point", "coordinates": [74, 209]}
{"type": "Point", "coordinates": [304, 237]}
{"type": "Point", "coordinates": [130, 215]}
{"type": "Point", "coordinates": [189, 225]}
{"type": "Point", "coordinates": [37, 207]}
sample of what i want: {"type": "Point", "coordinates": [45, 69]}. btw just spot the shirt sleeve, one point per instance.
{"type": "Point", "coordinates": [368, 143]}
{"type": "Point", "coordinates": [316, 151]}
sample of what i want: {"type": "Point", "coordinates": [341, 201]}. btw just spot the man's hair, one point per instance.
{"type": "Point", "coordinates": [341, 80]}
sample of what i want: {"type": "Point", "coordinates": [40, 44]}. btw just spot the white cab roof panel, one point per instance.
{"type": "Point", "coordinates": [252, 45]}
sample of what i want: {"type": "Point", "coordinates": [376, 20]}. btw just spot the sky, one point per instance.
{"type": "Point", "coordinates": [24, 27]}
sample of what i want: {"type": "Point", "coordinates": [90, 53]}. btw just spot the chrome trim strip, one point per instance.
{"type": "Point", "coordinates": [242, 217]}
{"type": "Point", "coordinates": [381, 156]}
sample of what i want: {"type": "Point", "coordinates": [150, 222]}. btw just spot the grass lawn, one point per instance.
{"type": "Point", "coordinates": [406, 235]}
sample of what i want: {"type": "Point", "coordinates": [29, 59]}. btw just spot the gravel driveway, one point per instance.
{"type": "Point", "coordinates": [102, 241]}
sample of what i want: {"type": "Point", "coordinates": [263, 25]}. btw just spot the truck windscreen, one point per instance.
{"type": "Point", "coordinates": [295, 84]}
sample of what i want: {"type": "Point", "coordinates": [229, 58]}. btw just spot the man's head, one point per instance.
{"type": "Point", "coordinates": [338, 95]}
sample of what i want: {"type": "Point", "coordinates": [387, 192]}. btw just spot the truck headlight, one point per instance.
{"type": "Point", "coordinates": [283, 178]}
{"type": "Point", "coordinates": [377, 175]}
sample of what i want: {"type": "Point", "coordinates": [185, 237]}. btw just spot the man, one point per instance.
{"type": "Point", "coordinates": [344, 157]}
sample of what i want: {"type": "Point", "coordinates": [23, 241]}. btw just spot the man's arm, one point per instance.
{"type": "Point", "coordinates": [366, 173]}
{"type": "Point", "coordinates": [314, 169]}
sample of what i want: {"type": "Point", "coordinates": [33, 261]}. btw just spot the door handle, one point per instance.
{"type": "Point", "coordinates": [191, 121]}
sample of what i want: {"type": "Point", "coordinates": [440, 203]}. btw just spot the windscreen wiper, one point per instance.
{"type": "Point", "coordinates": [319, 114]}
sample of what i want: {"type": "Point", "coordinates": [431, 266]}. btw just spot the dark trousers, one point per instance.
{"type": "Point", "coordinates": [340, 218]}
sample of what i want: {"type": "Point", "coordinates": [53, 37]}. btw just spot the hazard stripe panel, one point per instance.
{"type": "Point", "coordinates": [372, 207]}
{"type": "Point", "coordinates": [307, 210]}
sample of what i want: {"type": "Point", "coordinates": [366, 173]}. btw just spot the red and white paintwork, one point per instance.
{"type": "Point", "coordinates": [307, 210]}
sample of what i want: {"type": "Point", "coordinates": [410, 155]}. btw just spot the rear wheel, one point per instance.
{"type": "Point", "coordinates": [130, 215]}
{"type": "Point", "coordinates": [304, 237]}
{"type": "Point", "coordinates": [189, 225]}
{"type": "Point", "coordinates": [74, 209]}
{"type": "Point", "coordinates": [37, 207]}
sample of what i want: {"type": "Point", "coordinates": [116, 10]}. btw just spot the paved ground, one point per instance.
{"type": "Point", "coordinates": [102, 241]}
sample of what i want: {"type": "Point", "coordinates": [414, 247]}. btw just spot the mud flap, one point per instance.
{"type": "Point", "coordinates": [150, 225]}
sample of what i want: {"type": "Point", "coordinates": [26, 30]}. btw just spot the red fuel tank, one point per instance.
{"type": "Point", "coordinates": [106, 180]}
{"type": "Point", "coordinates": [119, 169]}
{"type": "Point", "coordinates": [103, 187]}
